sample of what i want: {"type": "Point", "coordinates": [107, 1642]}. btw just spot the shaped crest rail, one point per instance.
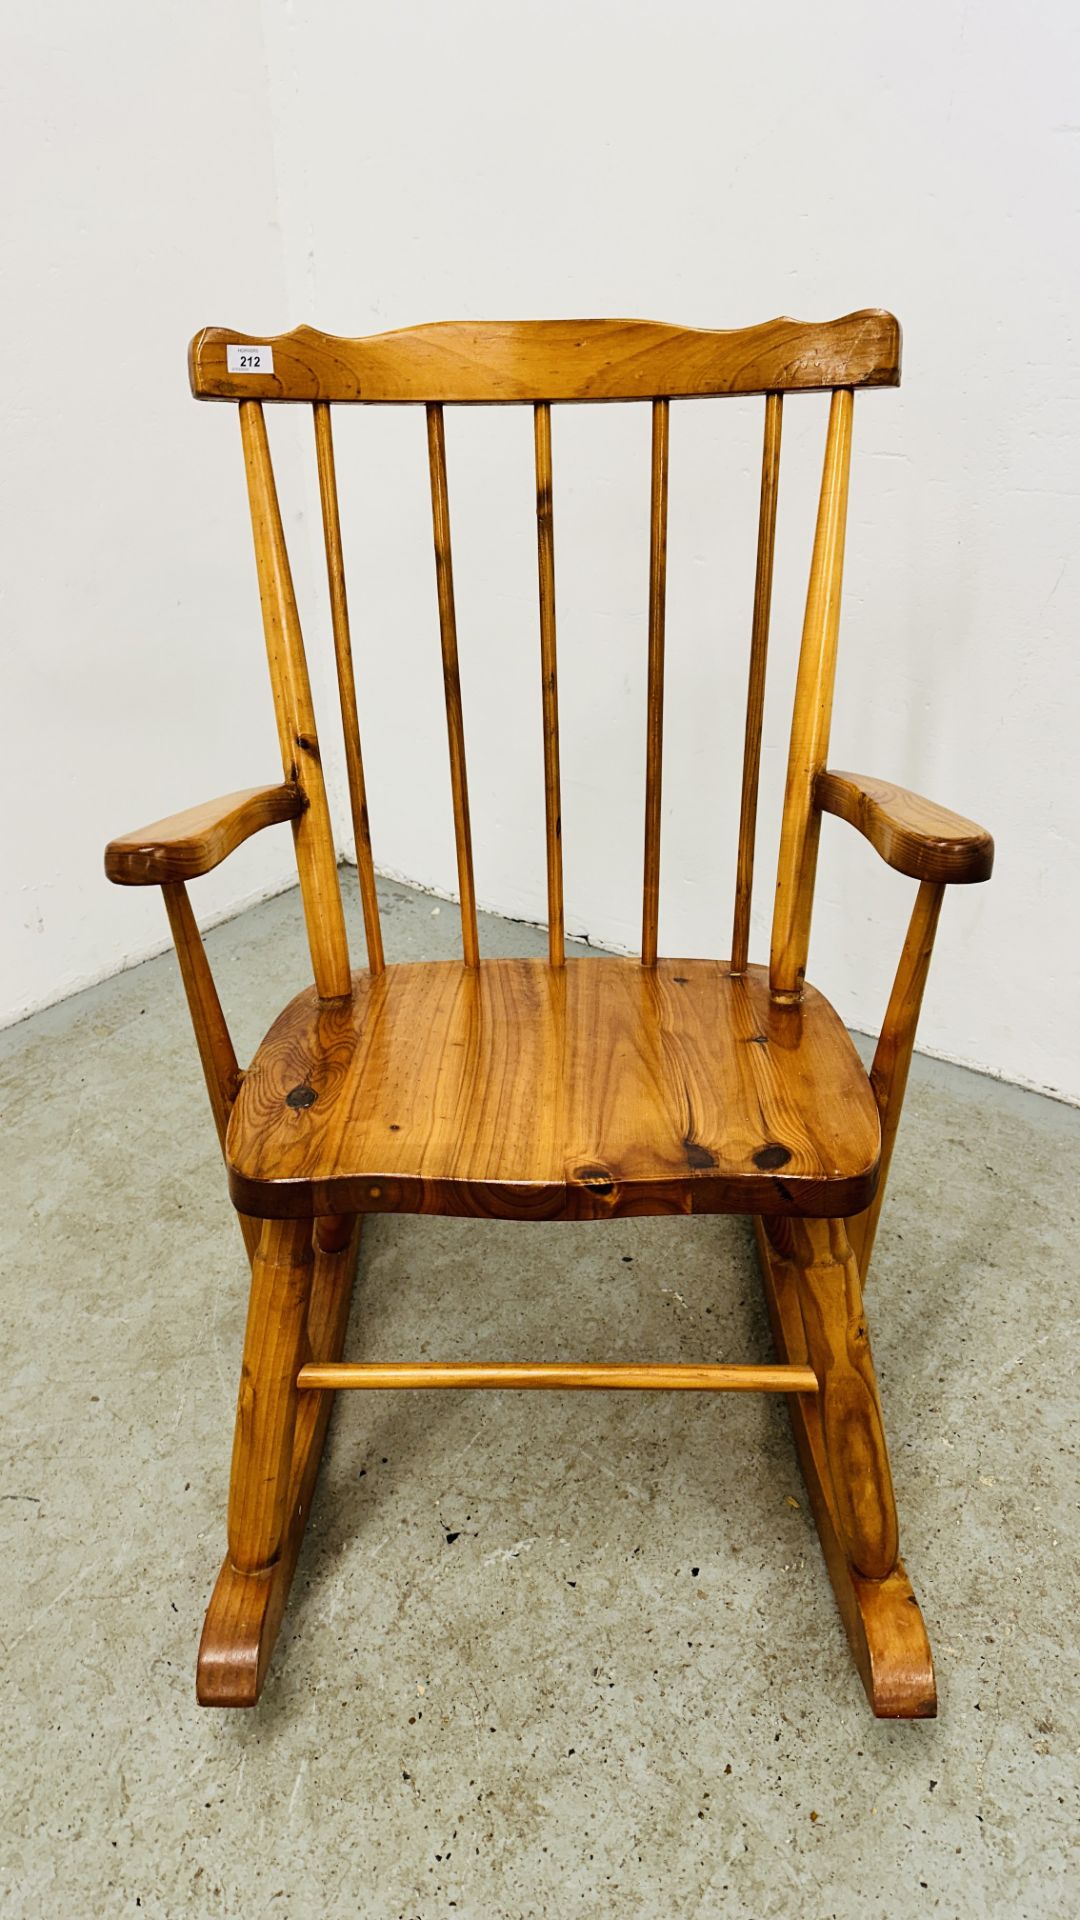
{"type": "Point", "coordinates": [470, 362]}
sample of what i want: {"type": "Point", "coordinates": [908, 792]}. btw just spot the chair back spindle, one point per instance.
{"type": "Point", "coordinates": [549, 682]}
{"type": "Point", "coordinates": [316, 856]}
{"type": "Point", "coordinates": [812, 715]}
{"type": "Point", "coordinates": [346, 680]}
{"type": "Point", "coordinates": [654, 725]}
{"type": "Point", "coordinates": [459, 780]}
{"type": "Point", "coordinates": [542, 363]}
{"type": "Point", "coordinates": [755, 692]}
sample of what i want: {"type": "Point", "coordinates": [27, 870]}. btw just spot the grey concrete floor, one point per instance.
{"type": "Point", "coordinates": [545, 1654]}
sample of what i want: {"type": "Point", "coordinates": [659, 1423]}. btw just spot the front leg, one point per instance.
{"type": "Point", "coordinates": [300, 1292]}
{"type": "Point", "coordinates": [838, 1346]}
{"type": "Point", "coordinates": [274, 1351]}
{"type": "Point", "coordinates": [812, 1290]}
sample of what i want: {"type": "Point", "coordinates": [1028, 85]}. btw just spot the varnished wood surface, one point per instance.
{"type": "Point", "coordinates": [892, 1057]}
{"type": "Point", "coordinates": [558, 1376]}
{"type": "Point", "coordinates": [914, 835]}
{"type": "Point", "coordinates": [882, 1619]}
{"type": "Point", "coordinates": [346, 679]}
{"type": "Point", "coordinates": [452, 361]}
{"type": "Point", "coordinates": [455, 725]}
{"type": "Point", "coordinates": [212, 1037]}
{"type": "Point", "coordinates": [811, 718]}
{"type": "Point", "coordinates": [274, 1351]}
{"type": "Point", "coordinates": [654, 716]}
{"type": "Point", "coordinates": [838, 1346]}
{"type": "Point", "coordinates": [245, 1609]}
{"type": "Point", "coordinates": [549, 678]}
{"type": "Point", "coordinates": [316, 854]}
{"type": "Point", "coordinates": [528, 1092]}
{"type": "Point", "coordinates": [197, 840]}
{"type": "Point", "coordinates": [755, 690]}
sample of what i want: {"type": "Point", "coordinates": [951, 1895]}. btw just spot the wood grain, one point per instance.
{"type": "Point", "coordinates": [892, 1057]}
{"type": "Point", "coordinates": [525, 1092]}
{"type": "Point", "coordinates": [316, 855]}
{"type": "Point", "coordinates": [913, 835]}
{"type": "Point", "coordinates": [882, 1619]}
{"type": "Point", "coordinates": [545, 554]}
{"type": "Point", "coordinates": [464, 361]}
{"type": "Point", "coordinates": [521, 1089]}
{"type": "Point", "coordinates": [246, 1609]}
{"type": "Point", "coordinates": [274, 1350]}
{"type": "Point", "coordinates": [455, 727]}
{"type": "Point", "coordinates": [654, 723]}
{"type": "Point", "coordinates": [755, 692]}
{"type": "Point", "coordinates": [212, 1038]}
{"type": "Point", "coordinates": [556, 1376]}
{"type": "Point", "coordinates": [812, 716]}
{"type": "Point", "coordinates": [853, 1431]}
{"type": "Point", "coordinates": [193, 842]}
{"type": "Point", "coordinates": [217, 1055]}
{"type": "Point", "coordinates": [346, 679]}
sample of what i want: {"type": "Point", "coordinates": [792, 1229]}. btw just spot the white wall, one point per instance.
{"type": "Point", "coordinates": [368, 167]}
{"type": "Point", "coordinates": [139, 200]}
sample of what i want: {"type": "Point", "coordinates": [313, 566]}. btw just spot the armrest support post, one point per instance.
{"type": "Point", "coordinates": [212, 1037]}
{"type": "Point", "coordinates": [892, 1059]}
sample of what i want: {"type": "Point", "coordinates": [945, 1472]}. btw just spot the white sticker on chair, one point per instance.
{"type": "Point", "coordinates": [249, 359]}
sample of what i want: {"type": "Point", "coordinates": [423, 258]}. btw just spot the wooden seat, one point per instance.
{"type": "Point", "coordinates": [589, 1092]}
{"type": "Point", "coordinates": [531, 1089]}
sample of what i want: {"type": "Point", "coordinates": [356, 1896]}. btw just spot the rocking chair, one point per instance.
{"type": "Point", "coordinates": [584, 1089]}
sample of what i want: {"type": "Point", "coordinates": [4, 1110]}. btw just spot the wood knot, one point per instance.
{"type": "Point", "coordinates": [302, 1096]}
{"type": "Point", "coordinates": [772, 1155]}
{"type": "Point", "coordinates": [698, 1157]}
{"type": "Point", "coordinates": [596, 1179]}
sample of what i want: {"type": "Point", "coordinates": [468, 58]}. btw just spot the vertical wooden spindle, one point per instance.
{"type": "Point", "coordinates": [346, 678]}
{"type": "Point", "coordinates": [316, 857]}
{"type": "Point", "coordinates": [812, 714]}
{"type": "Point", "coordinates": [654, 734]}
{"type": "Point", "coordinates": [545, 548]}
{"type": "Point", "coordinates": [459, 785]}
{"type": "Point", "coordinates": [755, 693]}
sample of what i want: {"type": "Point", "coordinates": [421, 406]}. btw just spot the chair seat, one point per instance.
{"type": "Point", "coordinates": [515, 1089]}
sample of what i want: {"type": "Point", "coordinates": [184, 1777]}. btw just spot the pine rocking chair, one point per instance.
{"type": "Point", "coordinates": [586, 1089]}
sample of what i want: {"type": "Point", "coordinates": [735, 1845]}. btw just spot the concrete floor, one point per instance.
{"type": "Point", "coordinates": [545, 1655]}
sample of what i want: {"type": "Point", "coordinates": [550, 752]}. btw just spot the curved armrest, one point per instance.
{"type": "Point", "coordinates": [910, 833]}
{"type": "Point", "coordinates": [191, 843]}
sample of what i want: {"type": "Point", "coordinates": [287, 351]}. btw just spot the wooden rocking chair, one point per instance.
{"type": "Point", "coordinates": [539, 1090]}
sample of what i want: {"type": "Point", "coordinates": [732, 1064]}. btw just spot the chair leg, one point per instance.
{"type": "Point", "coordinates": [815, 1303]}
{"type": "Point", "coordinates": [300, 1292]}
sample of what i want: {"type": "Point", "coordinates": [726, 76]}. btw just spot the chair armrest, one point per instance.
{"type": "Point", "coordinates": [191, 843]}
{"type": "Point", "coordinates": [910, 833]}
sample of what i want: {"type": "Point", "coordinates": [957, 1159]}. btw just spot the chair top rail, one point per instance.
{"type": "Point", "coordinates": [465, 362]}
